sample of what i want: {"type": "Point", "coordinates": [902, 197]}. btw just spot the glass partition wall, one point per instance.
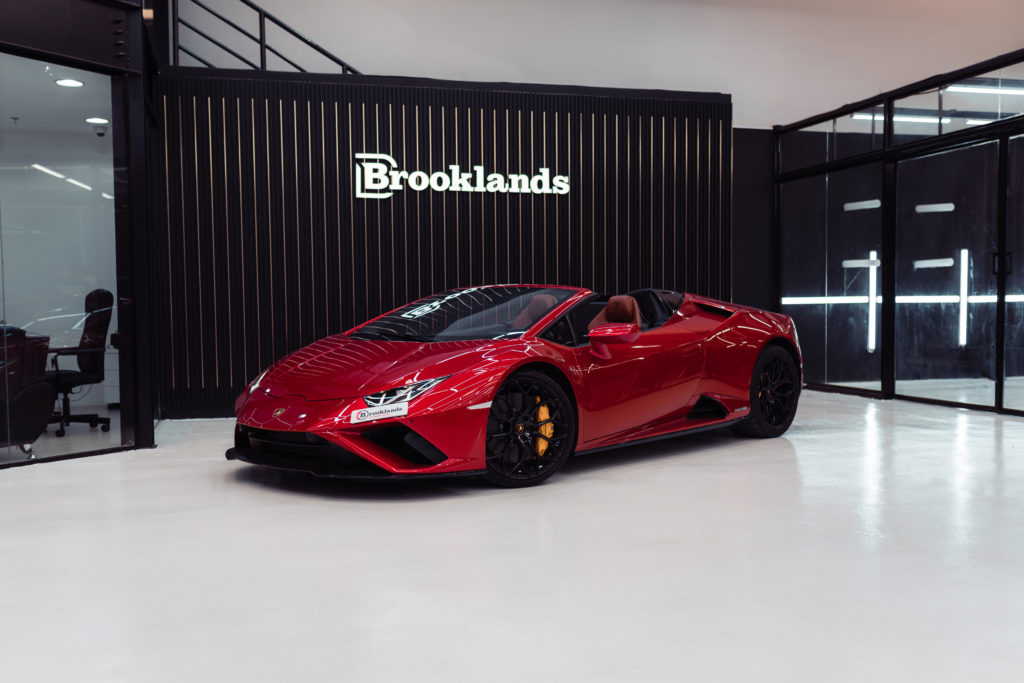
{"type": "Point", "coordinates": [897, 222]}
{"type": "Point", "coordinates": [60, 391]}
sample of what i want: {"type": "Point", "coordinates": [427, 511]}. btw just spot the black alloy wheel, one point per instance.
{"type": "Point", "coordinates": [774, 394]}
{"type": "Point", "coordinates": [531, 430]}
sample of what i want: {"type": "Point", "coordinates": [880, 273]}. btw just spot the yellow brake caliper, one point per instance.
{"type": "Point", "coordinates": [547, 430]}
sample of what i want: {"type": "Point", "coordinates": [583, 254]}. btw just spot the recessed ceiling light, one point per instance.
{"type": "Point", "coordinates": [70, 83]}
{"type": "Point", "coordinates": [98, 120]}
{"type": "Point", "coordinates": [107, 196]}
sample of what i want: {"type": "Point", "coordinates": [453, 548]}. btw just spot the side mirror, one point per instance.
{"type": "Point", "coordinates": [611, 333]}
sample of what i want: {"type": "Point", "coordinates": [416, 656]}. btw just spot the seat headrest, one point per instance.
{"type": "Point", "coordinates": [619, 309]}
{"type": "Point", "coordinates": [538, 306]}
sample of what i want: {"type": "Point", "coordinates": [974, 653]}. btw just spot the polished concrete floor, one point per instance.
{"type": "Point", "coordinates": [876, 541]}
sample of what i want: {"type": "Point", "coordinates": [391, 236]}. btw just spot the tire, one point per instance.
{"type": "Point", "coordinates": [774, 395]}
{"type": "Point", "coordinates": [531, 430]}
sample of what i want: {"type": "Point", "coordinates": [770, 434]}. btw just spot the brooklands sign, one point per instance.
{"type": "Point", "coordinates": [378, 177]}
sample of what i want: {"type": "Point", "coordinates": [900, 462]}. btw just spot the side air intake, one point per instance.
{"type": "Point", "coordinates": [707, 408]}
{"type": "Point", "coordinates": [714, 310]}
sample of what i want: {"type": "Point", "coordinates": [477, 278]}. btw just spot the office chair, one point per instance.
{"type": "Point", "coordinates": [90, 351]}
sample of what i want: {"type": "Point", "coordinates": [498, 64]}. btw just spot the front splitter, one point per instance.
{"type": "Point", "coordinates": [318, 467]}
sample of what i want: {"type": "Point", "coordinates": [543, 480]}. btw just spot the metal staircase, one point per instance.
{"type": "Point", "coordinates": [233, 45]}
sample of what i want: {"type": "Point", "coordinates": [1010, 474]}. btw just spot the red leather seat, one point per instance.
{"type": "Point", "coordinates": [534, 311]}
{"type": "Point", "coordinates": [619, 309]}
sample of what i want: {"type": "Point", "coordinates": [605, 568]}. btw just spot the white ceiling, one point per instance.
{"type": "Point", "coordinates": [28, 91]}
{"type": "Point", "coordinates": [51, 130]}
{"type": "Point", "coordinates": [782, 60]}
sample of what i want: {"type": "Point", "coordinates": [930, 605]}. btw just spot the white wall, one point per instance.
{"type": "Point", "coordinates": [782, 60]}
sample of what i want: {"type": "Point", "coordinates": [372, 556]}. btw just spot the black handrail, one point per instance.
{"type": "Point", "coordinates": [261, 39]}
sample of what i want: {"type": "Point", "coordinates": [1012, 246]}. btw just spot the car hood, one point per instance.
{"type": "Point", "coordinates": [340, 367]}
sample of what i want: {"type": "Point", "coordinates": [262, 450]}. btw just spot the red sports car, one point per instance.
{"type": "Point", "coordinates": [506, 381]}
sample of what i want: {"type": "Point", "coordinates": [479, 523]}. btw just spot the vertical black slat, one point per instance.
{"type": "Point", "coordinates": [352, 139]}
{"type": "Point", "coordinates": [221, 216]}
{"type": "Point", "coordinates": [776, 255]}
{"type": "Point", "coordinates": [166, 373]}
{"type": "Point", "coordinates": [308, 256]}
{"type": "Point", "coordinates": [218, 246]}
{"type": "Point", "coordinates": [457, 234]}
{"type": "Point", "coordinates": [624, 233]}
{"type": "Point", "coordinates": [1001, 226]}
{"type": "Point", "coordinates": [316, 132]}
{"type": "Point", "coordinates": [207, 252]}
{"type": "Point", "coordinates": [589, 189]}
{"type": "Point", "coordinates": [260, 233]}
{"type": "Point", "coordinates": [693, 200]}
{"type": "Point", "coordinates": [297, 217]}
{"type": "Point", "coordinates": [401, 210]}
{"type": "Point", "coordinates": [380, 280]}
{"type": "Point", "coordinates": [356, 261]}
{"type": "Point", "coordinates": [389, 245]}
{"type": "Point", "coordinates": [641, 273]}
{"type": "Point", "coordinates": [538, 246]}
{"type": "Point", "coordinates": [514, 208]}
{"type": "Point", "coordinates": [292, 277]}
{"type": "Point", "coordinates": [727, 195]}
{"type": "Point", "coordinates": [246, 229]}
{"type": "Point", "coordinates": [714, 214]}
{"type": "Point", "coordinates": [185, 244]}
{"type": "Point", "coordinates": [330, 201]}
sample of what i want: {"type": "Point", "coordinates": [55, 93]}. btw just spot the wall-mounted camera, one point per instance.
{"type": "Point", "coordinates": [100, 131]}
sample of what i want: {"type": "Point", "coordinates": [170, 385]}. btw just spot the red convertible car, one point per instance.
{"type": "Point", "coordinates": [507, 381]}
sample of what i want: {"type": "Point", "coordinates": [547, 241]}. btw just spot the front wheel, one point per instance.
{"type": "Point", "coordinates": [531, 430]}
{"type": "Point", "coordinates": [774, 394]}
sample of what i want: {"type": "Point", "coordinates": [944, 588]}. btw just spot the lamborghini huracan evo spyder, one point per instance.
{"type": "Point", "coordinates": [507, 381]}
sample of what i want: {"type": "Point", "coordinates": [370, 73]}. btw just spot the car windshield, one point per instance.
{"type": "Point", "coordinates": [503, 312]}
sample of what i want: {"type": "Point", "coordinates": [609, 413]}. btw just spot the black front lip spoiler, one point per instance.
{"type": "Point", "coordinates": [320, 468]}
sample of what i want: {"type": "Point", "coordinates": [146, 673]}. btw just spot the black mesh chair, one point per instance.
{"type": "Point", "coordinates": [99, 305]}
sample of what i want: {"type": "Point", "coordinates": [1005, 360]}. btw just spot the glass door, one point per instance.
{"type": "Point", "coordinates": [58, 284]}
{"type": "Point", "coordinates": [945, 287]}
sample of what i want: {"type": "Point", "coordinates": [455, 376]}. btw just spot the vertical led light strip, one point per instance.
{"type": "Point", "coordinates": [872, 302]}
{"type": "Point", "coordinates": [964, 260]}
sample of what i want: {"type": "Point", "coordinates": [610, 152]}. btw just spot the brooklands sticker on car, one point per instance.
{"type": "Point", "coordinates": [380, 412]}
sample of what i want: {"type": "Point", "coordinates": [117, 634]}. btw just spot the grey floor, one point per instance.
{"type": "Point", "coordinates": [879, 541]}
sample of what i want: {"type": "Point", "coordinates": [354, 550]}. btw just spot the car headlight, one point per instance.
{"type": "Point", "coordinates": [256, 382]}
{"type": "Point", "coordinates": [403, 393]}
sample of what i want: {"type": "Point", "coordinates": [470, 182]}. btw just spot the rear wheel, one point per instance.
{"type": "Point", "coordinates": [774, 394]}
{"type": "Point", "coordinates": [531, 430]}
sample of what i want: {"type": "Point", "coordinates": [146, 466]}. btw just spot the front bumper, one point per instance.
{"type": "Point", "coordinates": [334, 463]}
{"type": "Point", "coordinates": [435, 439]}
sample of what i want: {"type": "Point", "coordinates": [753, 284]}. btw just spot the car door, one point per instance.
{"type": "Point", "coordinates": [643, 385]}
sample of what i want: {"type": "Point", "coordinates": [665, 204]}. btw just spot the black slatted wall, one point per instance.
{"type": "Point", "coordinates": [263, 246]}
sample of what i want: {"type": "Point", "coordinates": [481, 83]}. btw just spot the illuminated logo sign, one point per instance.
{"type": "Point", "coordinates": [378, 177]}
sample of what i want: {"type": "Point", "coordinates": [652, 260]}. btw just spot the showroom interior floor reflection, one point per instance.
{"type": "Point", "coordinates": [875, 541]}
